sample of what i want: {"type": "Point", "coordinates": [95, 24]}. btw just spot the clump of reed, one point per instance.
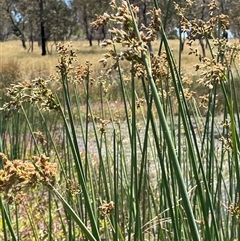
{"type": "Point", "coordinates": [168, 170]}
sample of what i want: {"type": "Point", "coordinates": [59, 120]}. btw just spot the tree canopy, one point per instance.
{"type": "Point", "coordinates": [59, 20]}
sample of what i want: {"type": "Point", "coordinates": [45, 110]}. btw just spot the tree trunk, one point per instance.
{"type": "Point", "coordinates": [23, 42]}
{"type": "Point", "coordinates": [17, 31]}
{"type": "Point", "coordinates": [90, 42]}
{"type": "Point", "coordinates": [89, 32]}
{"type": "Point", "coordinates": [43, 39]}
{"type": "Point", "coordinates": [144, 13]}
{"type": "Point", "coordinates": [202, 46]}
{"type": "Point", "coordinates": [182, 38]}
{"type": "Point", "coordinates": [44, 52]}
{"type": "Point", "coordinates": [30, 42]}
{"type": "Point", "coordinates": [89, 35]}
{"type": "Point", "coordinates": [182, 42]}
{"type": "Point", "coordinates": [201, 37]}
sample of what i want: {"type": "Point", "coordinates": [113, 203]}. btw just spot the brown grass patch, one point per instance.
{"type": "Point", "coordinates": [32, 64]}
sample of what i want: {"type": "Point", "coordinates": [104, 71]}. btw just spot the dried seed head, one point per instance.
{"type": "Point", "coordinates": [106, 208]}
{"type": "Point", "coordinates": [20, 175]}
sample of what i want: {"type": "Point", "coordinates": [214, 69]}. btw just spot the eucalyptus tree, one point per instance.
{"type": "Point", "coordinates": [5, 24]}
{"type": "Point", "coordinates": [11, 9]}
{"type": "Point", "coordinates": [25, 16]}
{"type": "Point", "coordinates": [85, 12]}
{"type": "Point", "coordinates": [56, 22]}
{"type": "Point", "coordinates": [39, 20]}
{"type": "Point", "coordinates": [60, 20]}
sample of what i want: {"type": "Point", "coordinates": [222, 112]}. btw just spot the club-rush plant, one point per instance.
{"type": "Point", "coordinates": [161, 165]}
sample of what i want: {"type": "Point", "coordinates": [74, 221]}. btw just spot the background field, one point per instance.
{"type": "Point", "coordinates": [119, 157]}
{"type": "Point", "coordinates": [32, 64]}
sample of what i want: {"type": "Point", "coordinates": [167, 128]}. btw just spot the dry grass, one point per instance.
{"type": "Point", "coordinates": [32, 64]}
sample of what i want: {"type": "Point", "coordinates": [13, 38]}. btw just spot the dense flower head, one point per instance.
{"type": "Point", "coordinates": [20, 175]}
